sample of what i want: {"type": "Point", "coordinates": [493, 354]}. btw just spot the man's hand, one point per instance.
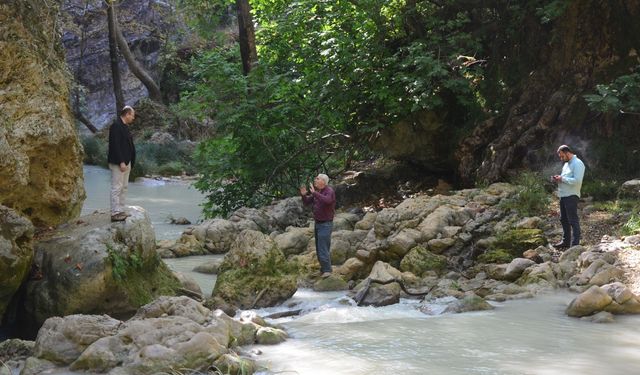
{"type": "Point", "coordinates": [123, 167]}
{"type": "Point", "coordinates": [557, 178]}
{"type": "Point", "coordinates": [303, 190]}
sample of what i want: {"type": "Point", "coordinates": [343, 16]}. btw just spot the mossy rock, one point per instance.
{"type": "Point", "coordinates": [517, 241]}
{"type": "Point", "coordinates": [247, 290]}
{"type": "Point", "coordinates": [496, 256]}
{"type": "Point", "coordinates": [420, 260]}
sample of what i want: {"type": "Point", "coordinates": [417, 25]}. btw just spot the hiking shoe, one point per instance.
{"type": "Point", "coordinates": [561, 245]}
{"type": "Point", "coordinates": [325, 275]}
{"type": "Point", "coordinates": [120, 216]}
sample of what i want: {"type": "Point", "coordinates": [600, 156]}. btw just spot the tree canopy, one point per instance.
{"type": "Point", "coordinates": [331, 73]}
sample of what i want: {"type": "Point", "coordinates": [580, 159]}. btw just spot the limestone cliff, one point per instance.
{"type": "Point", "coordinates": [147, 25]}
{"type": "Point", "coordinates": [40, 156]}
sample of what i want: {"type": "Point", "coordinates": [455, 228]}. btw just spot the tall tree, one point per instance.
{"type": "Point", "coordinates": [247, 36]}
{"type": "Point", "coordinates": [77, 111]}
{"type": "Point", "coordinates": [134, 66]}
{"type": "Point", "coordinates": [113, 56]}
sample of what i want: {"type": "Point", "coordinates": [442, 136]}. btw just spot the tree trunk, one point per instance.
{"type": "Point", "coordinates": [113, 57]}
{"type": "Point", "coordinates": [247, 36]}
{"type": "Point", "coordinates": [136, 69]}
{"type": "Point", "coordinates": [80, 117]}
{"type": "Point", "coordinates": [77, 112]}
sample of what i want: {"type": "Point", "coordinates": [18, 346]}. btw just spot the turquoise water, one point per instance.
{"type": "Point", "coordinates": [161, 199]}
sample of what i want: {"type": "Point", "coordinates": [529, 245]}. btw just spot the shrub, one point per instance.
{"type": "Point", "coordinates": [531, 197]}
{"type": "Point", "coordinates": [95, 150]}
{"type": "Point", "coordinates": [600, 190]}
{"type": "Point", "coordinates": [173, 168]}
{"type": "Point", "coordinates": [632, 226]}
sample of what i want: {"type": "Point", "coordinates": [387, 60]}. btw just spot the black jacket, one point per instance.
{"type": "Point", "coordinates": [121, 147]}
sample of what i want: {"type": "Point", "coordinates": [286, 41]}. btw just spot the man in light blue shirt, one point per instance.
{"type": "Point", "coordinates": [569, 184]}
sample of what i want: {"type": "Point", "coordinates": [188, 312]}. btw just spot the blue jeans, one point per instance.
{"type": "Point", "coordinates": [569, 220]}
{"type": "Point", "coordinates": [323, 244]}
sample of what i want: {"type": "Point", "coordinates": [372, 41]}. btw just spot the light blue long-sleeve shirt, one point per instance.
{"type": "Point", "coordinates": [572, 175]}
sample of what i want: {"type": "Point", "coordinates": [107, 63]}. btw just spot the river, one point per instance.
{"type": "Point", "coordinates": [332, 336]}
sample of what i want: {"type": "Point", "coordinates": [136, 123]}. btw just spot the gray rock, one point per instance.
{"type": "Point", "coordinates": [516, 268]}
{"type": "Point", "coordinates": [331, 283]}
{"type": "Point", "coordinates": [209, 267]}
{"type": "Point", "coordinates": [62, 340]}
{"type": "Point", "coordinates": [593, 300]}
{"type": "Point", "coordinates": [367, 221]}
{"type": "Point", "coordinates": [601, 317]}
{"type": "Point", "coordinates": [294, 240]}
{"type": "Point", "coordinates": [270, 336]}
{"type": "Point", "coordinates": [87, 267]}
{"type": "Point", "coordinates": [630, 189]}
{"type": "Point", "coordinates": [254, 273]}
{"type": "Point", "coordinates": [529, 223]}
{"type": "Point", "coordinates": [470, 302]}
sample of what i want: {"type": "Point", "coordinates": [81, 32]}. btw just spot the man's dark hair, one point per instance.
{"type": "Point", "coordinates": [565, 148]}
{"type": "Point", "coordinates": [125, 110]}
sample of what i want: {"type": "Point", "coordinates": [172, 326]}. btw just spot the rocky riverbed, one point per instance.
{"type": "Point", "coordinates": [465, 247]}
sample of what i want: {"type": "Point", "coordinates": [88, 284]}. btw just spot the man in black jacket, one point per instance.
{"type": "Point", "coordinates": [122, 156]}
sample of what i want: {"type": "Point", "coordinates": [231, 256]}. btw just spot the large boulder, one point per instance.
{"type": "Point", "coordinates": [216, 234]}
{"type": "Point", "coordinates": [40, 156]}
{"type": "Point", "coordinates": [420, 260]}
{"type": "Point", "coordinates": [169, 333]}
{"type": "Point", "coordinates": [95, 266]}
{"type": "Point", "coordinates": [591, 301]}
{"type": "Point", "coordinates": [254, 273]}
{"type": "Point", "coordinates": [630, 189]}
{"type": "Point", "coordinates": [381, 294]}
{"type": "Point", "coordinates": [517, 241]}
{"type": "Point", "coordinates": [16, 254]}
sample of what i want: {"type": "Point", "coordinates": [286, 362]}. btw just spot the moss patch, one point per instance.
{"type": "Point", "coordinates": [420, 260]}
{"type": "Point", "coordinates": [517, 241]}
{"type": "Point", "coordinates": [143, 282]}
{"type": "Point", "coordinates": [246, 289]}
{"type": "Point", "coordinates": [496, 256]}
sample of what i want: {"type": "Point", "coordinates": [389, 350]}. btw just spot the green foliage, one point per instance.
{"type": "Point", "coordinates": [618, 206]}
{"type": "Point", "coordinates": [551, 10]}
{"type": "Point", "coordinates": [420, 260]}
{"type": "Point", "coordinates": [173, 168]}
{"type": "Point", "coordinates": [95, 150]}
{"type": "Point", "coordinates": [517, 241]}
{"type": "Point", "coordinates": [616, 157]}
{"type": "Point", "coordinates": [623, 94]}
{"type": "Point", "coordinates": [531, 197]}
{"type": "Point", "coordinates": [632, 226]}
{"type": "Point", "coordinates": [142, 280]}
{"type": "Point", "coordinates": [330, 75]}
{"type": "Point", "coordinates": [496, 256]}
{"type": "Point", "coordinates": [599, 189]}
{"type": "Point", "coordinates": [206, 16]}
{"type": "Point", "coordinates": [162, 159]}
{"type": "Point", "coordinates": [123, 264]}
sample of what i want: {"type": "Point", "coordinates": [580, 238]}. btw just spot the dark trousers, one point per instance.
{"type": "Point", "coordinates": [323, 244]}
{"type": "Point", "coordinates": [569, 220]}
